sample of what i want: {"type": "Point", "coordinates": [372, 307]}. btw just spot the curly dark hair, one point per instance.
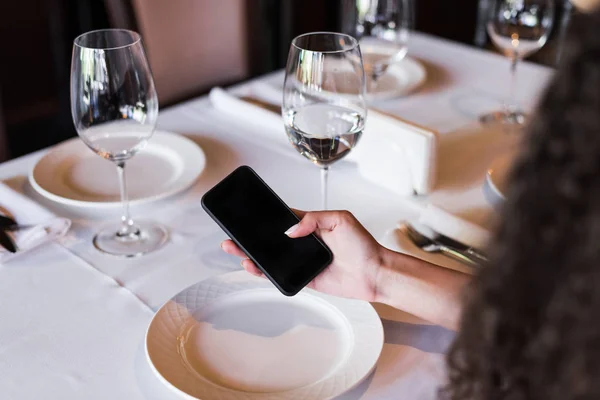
{"type": "Point", "coordinates": [531, 327]}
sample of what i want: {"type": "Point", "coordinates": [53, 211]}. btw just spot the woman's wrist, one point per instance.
{"type": "Point", "coordinates": [419, 288]}
{"type": "Point", "coordinates": [383, 275]}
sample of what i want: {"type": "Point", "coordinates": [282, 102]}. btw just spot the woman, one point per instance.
{"type": "Point", "coordinates": [530, 328]}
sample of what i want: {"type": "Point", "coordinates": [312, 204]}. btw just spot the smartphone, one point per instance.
{"type": "Point", "coordinates": [255, 218]}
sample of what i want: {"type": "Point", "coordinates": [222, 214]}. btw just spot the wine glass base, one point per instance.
{"type": "Point", "coordinates": [151, 237]}
{"type": "Point", "coordinates": [516, 118]}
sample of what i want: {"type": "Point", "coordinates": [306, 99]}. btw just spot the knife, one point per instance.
{"type": "Point", "coordinates": [6, 240]}
{"type": "Point", "coordinates": [5, 221]}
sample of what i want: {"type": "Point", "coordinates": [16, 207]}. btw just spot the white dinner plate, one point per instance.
{"type": "Point", "coordinates": [235, 336]}
{"type": "Point", "coordinates": [73, 175]}
{"type": "Point", "coordinates": [399, 80]}
{"type": "Point", "coordinates": [497, 174]}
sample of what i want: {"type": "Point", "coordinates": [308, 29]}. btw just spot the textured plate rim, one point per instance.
{"type": "Point", "coordinates": [254, 395]}
{"type": "Point", "coordinates": [117, 204]}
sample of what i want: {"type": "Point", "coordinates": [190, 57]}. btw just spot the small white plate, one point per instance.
{"type": "Point", "coordinates": [497, 174]}
{"type": "Point", "coordinates": [73, 175]}
{"type": "Point", "coordinates": [235, 336]}
{"type": "Point", "coordinates": [399, 80]}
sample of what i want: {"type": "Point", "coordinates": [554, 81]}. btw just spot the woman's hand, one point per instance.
{"type": "Point", "coordinates": [362, 269]}
{"type": "Point", "coordinates": [357, 257]}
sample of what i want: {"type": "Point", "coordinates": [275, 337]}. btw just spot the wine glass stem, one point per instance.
{"type": "Point", "coordinates": [373, 84]}
{"type": "Point", "coordinates": [128, 229]}
{"type": "Point", "coordinates": [324, 176]}
{"type": "Point", "coordinates": [510, 106]}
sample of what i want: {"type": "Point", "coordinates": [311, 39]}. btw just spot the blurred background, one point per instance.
{"type": "Point", "coordinates": [192, 45]}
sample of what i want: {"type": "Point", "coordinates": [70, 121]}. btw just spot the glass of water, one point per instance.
{"type": "Point", "coordinates": [518, 28]}
{"type": "Point", "coordinates": [382, 28]}
{"type": "Point", "coordinates": [114, 108]}
{"type": "Point", "coordinates": [324, 107]}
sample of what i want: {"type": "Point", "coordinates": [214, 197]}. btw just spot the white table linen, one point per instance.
{"type": "Point", "coordinates": [462, 83]}
{"type": "Point", "coordinates": [68, 331]}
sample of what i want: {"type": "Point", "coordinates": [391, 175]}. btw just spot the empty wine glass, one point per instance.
{"type": "Point", "coordinates": [324, 107]}
{"type": "Point", "coordinates": [382, 28]}
{"type": "Point", "coordinates": [518, 28]}
{"type": "Point", "coordinates": [114, 107]}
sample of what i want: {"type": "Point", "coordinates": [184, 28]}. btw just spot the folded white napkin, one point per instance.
{"type": "Point", "coordinates": [397, 154]}
{"type": "Point", "coordinates": [447, 224]}
{"type": "Point", "coordinates": [269, 124]}
{"type": "Point", "coordinates": [392, 153]}
{"type": "Point", "coordinates": [45, 226]}
{"type": "Point", "coordinates": [455, 227]}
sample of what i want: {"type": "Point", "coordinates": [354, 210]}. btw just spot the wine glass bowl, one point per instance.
{"type": "Point", "coordinates": [324, 107]}
{"type": "Point", "coordinates": [114, 106]}
{"type": "Point", "coordinates": [113, 100]}
{"type": "Point", "coordinates": [382, 28]}
{"type": "Point", "coordinates": [518, 30]}
{"type": "Point", "coordinates": [323, 133]}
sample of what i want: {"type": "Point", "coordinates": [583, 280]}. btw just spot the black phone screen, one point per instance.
{"type": "Point", "coordinates": [255, 218]}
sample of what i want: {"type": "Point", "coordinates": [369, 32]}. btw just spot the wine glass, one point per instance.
{"type": "Point", "coordinates": [518, 28]}
{"type": "Point", "coordinates": [114, 108]}
{"type": "Point", "coordinates": [324, 107]}
{"type": "Point", "coordinates": [382, 28]}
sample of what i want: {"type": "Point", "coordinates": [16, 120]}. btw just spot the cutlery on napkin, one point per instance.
{"type": "Point", "coordinates": [450, 226]}
{"type": "Point", "coordinates": [392, 152]}
{"type": "Point", "coordinates": [430, 241]}
{"type": "Point", "coordinates": [36, 225]}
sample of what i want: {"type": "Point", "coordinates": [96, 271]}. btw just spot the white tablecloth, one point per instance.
{"type": "Point", "coordinates": [39, 338]}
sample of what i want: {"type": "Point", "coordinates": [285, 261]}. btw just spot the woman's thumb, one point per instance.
{"type": "Point", "coordinates": [313, 221]}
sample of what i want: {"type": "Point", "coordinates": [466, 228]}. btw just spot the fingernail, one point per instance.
{"type": "Point", "coordinates": [291, 230]}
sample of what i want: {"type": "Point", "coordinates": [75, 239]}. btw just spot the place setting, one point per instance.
{"type": "Point", "coordinates": [440, 230]}
{"type": "Point", "coordinates": [131, 163]}
{"type": "Point", "coordinates": [218, 338]}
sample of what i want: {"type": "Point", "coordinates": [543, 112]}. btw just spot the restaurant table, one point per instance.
{"type": "Point", "coordinates": [73, 320]}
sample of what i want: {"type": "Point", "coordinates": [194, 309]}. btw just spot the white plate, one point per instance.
{"type": "Point", "coordinates": [236, 337]}
{"type": "Point", "coordinates": [73, 175]}
{"type": "Point", "coordinates": [399, 79]}
{"type": "Point", "coordinates": [497, 174]}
